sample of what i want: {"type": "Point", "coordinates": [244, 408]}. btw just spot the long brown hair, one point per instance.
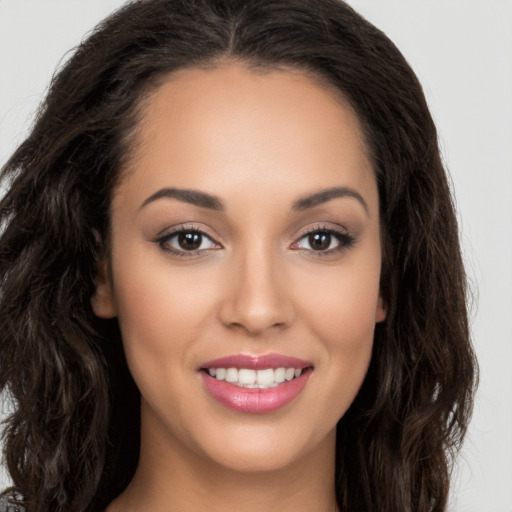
{"type": "Point", "coordinates": [71, 443]}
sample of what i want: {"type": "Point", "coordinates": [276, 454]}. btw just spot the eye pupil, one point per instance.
{"type": "Point", "coordinates": [320, 241]}
{"type": "Point", "coordinates": [189, 241]}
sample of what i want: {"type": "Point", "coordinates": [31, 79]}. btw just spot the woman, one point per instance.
{"type": "Point", "coordinates": [238, 284]}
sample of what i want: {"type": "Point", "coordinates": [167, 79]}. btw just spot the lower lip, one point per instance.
{"type": "Point", "coordinates": [252, 400]}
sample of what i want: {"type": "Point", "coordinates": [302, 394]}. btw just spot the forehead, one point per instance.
{"type": "Point", "coordinates": [229, 125]}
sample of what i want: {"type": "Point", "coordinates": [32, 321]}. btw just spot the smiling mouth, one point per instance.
{"type": "Point", "coordinates": [256, 379]}
{"type": "Point", "coordinates": [255, 384]}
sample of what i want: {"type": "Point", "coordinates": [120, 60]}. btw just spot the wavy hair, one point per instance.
{"type": "Point", "coordinates": [71, 442]}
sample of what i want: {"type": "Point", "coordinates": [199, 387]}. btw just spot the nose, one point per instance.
{"type": "Point", "coordinates": [258, 295]}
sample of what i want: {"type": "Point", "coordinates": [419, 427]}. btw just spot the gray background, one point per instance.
{"type": "Point", "coordinates": [462, 53]}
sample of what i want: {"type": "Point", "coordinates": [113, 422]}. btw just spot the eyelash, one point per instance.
{"type": "Point", "coordinates": [345, 240]}
{"type": "Point", "coordinates": [164, 240]}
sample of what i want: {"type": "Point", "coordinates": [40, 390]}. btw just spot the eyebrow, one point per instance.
{"type": "Point", "coordinates": [323, 196]}
{"type": "Point", "coordinates": [204, 200]}
{"type": "Point", "coordinates": [187, 196]}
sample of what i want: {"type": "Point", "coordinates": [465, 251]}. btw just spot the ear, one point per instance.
{"type": "Point", "coordinates": [380, 312]}
{"type": "Point", "coordinates": [103, 302]}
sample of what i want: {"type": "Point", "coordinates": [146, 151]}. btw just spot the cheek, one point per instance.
{"type": "Point", "coordinates": [342, 305]}
{"type": "Point", "coordinates": [341, 310]}
{"type": "Point", "coordinates": [161, 314]}
{"type": "Point", "coordinates": [346, 326]}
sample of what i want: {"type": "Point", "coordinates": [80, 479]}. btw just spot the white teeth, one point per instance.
{"type": "Point", "coordinates": [246, 376]}
{"type": "Point", "coordinates": [262, 379]}
{"type": "Point", "coordinates": [266, 377]}
{"type": "Point", "coordinates": [231, 375]}
{"type": "Point", "coordinates": [279, 375]}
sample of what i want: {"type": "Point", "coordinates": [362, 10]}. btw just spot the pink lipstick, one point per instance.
{"type": "Point", "coordinates": [255, 384]}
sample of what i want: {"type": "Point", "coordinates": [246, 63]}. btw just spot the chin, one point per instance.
{"type": "Point", "coordinates": [251, 460]}
{"type": "Point", "coordinates": [260, 449]}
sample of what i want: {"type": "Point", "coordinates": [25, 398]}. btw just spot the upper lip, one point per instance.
{"type": "Point", "coordinates": [257, 362]}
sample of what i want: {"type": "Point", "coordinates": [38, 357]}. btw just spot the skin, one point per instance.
{"type": "Point", "coordinates": [258, 142]}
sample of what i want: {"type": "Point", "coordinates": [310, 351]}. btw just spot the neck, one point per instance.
{"type": "Point", "coordinates": [180, 480]}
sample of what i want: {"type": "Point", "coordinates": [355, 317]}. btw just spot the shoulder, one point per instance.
{"type": "Point", "coordinates": [6, 506]}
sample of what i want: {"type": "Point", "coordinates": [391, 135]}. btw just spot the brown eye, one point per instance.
{"type": "Point", "coordinates": [186, 242]}
{"type": "Point", "coordinates": [324, 241]}
{"type": "Point", "coordinates": [319, 241]}
{"type": "Point", "coordinates": [190, 241]}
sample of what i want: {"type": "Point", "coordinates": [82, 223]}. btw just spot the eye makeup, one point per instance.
{"type": "Point", "coordinates": [324, 241]}
{"type": "Point", "coordinates": [187, 241]}
{"type": "Point", "coordinates": [191, 241]}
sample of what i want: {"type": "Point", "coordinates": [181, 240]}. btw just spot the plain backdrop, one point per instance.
{"type": "Point", "coordinates": [462, 53]}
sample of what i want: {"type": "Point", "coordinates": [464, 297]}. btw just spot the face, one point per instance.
{"type": "Point", "coordinates": [244, 267]}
